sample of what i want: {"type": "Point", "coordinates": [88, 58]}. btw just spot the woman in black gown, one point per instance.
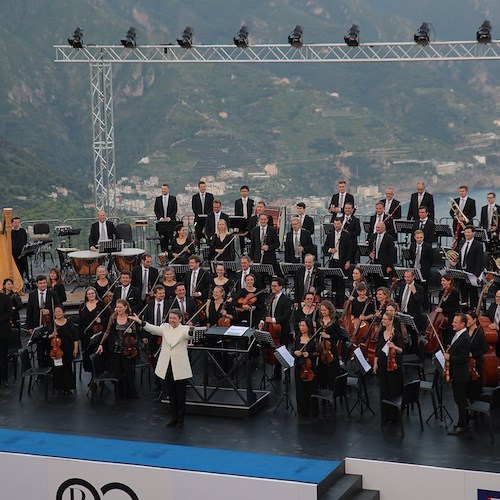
{"type": "Point", "coordinates": [169, 283]}
{"type": "Point", "coordinates": [15, 302]}
{"type": "Point", "coordinates": [449, 297]}
{"type": "Point", "coordinates": [222, 244]}
{"type": "Point", "coordinates": [216, 309]}
{"type": "Point", "coordinates": [220, 279]}
{"type": "Point", "coordinates": [306, 310]}
{"type": "Point", "coordinates": [103, 285]}
{"type": "Point", "coordinates": [56, 285]}
{"type": "Point", "coordinates": [182, 246]}
{"type": "Point", "coordinates": [252, 313]}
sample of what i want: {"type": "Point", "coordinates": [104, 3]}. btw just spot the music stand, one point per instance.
{"type": "Point", "coordinates": [286, 361]}
{"type": "Point", "coordinates": [443, 231]}
{"type": "Point", "coordinates": [263, 269]}
{"type": "Point", "coordinates": [457, 274]}
{"type": "Point", "coordinates": [441, 409]}
{"type": "Point", "coordinates": [199, 335]}
{"type": "Point", "coordinates": [400, 272]}
{"type": "Point", "coordinates": [481, 235]}
{"type": "Point", "coordinates": [30, 250]}
{"type": "Point", "coordinates": [228, 265]}
{"type": "Point", "coordinates": [366, 226]}
{"type": "Point", "coordinates": [404, 226]}
{"type": "Point", "coordinates": [328, 227]}
{"type": "Point", "coordinates": [360, 367]}
{"type": "Point", "coordinates": [290, 268]}
{"type": "Point", "coordinates": [238, 222]}
{"type": "Point", "coordinates": [110, 246]}
{"type": "Point", "coordinates": [265, 341]}
{"type": "Point", "coordinates": [405, 254]}
{"type": "Point", "coordinates": [364, 249]}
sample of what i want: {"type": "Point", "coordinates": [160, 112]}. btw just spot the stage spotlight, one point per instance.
{"type": "Point", "coordinates": [130, 41]}
{"type": "Point", "coordinates": [241, 39]}
{"type": "Point", "coordinates": [186, 39]}
{"type": "Point", "coordinates": [421, 37]}
{"type": "Point", "coordinates": [352, 37]}
{"type": "Point", "coordinates": [295, 37]}
{"type": "Point", "coordinates": [77, 40]}
{"type": "Point", "coordinates": [484, 33]}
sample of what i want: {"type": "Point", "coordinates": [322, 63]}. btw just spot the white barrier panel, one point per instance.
{"type": "Point", "coordinates": [416, 482]}
{"type": "Point", "coordinates": [43, 478]}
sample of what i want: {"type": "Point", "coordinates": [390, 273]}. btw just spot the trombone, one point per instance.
{"type": "Point", "coordinates": [457, 213]}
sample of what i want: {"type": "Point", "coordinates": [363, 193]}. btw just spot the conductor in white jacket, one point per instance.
{"type": "Point", "coordinates": [173, 362]}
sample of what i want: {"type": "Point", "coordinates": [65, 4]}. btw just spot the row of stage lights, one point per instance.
{"type": "Point", "coordinates": [295, 39]}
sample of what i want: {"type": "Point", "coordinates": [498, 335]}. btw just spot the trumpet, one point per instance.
{"type": "Point", "coordinates": [494, 223]}
{"type": "Point", "coordinates": [457, 213]}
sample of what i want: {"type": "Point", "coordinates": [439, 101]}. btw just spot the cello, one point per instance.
{"type": "Point", "coordinates": [438, 321]}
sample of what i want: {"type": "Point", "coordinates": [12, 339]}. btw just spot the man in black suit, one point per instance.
{"type": "Point", "coordinates": [197, 280]}
{"type": "Point", "coordinates": [166, 212]}
{"type": "Point", "coordinates": [265, 242]}
{"type": "Point", "coordinates": [382, 250]}
{"type": "Point", "coordinates": [494, 316]}
{"type": "Point", "coordinates": [411, 298]}
{"type": "Point", "coordinates": [239, 276]}
{"type": "Point", "coordinates": [145, 270]}
{"type": "Point", "coordinates": [185, 304]}
{"type": "Point", "coordinates": [466, 205]}
{"type": "Point", "coordinates": [201, 204]}
{"type": "Point", "coordinates": [19, 239]}
{"type": "Point", "coordinates": [337, 247]}
{"type": "Point", "coordinates": [424, 224]}
{"type": "Point", "coordinates": [243, 207]}
{"type": "Point", "coordinates": [421, 255]}
{"type": "Point", "coordinates": [458, 358]}
{"type": "Point", "coordinates": [306, 221]}
{"type": "Point", "coordinates": [308, 279]}
{"type": "Point", "coordinates": [391, 205]}
{"type": "Point", "coordinates": [381, 216]}
{"type": "Point", "coordinates": [260, 208]}
{"type": "Point", "coordinates": [340, 199]}
{"type": "Point", "coordinates": [213, 218]}
{"type": "Point", "coordinates": [280, 313]}
{"type": "Point", "coordinates": [489, 216]}
{"type": "Point", "coordinates": [128, 292]}
{"type": "Point", "coordinates": [41, 302]}
{"type": "Point", "coordinates": [418, 199]}
{"type": "Point", "coordinates": [5, 332]}
{"type": "Point", "coordinates": [352, 225]}
{"type": "Point", "coordinates": [298, 242]}
{"type": "Point", "coordinates": [471, 259]}
{"type": "Point", "coordinates": [102, 230]}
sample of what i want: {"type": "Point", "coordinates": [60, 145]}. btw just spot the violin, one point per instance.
{"type": "Point", "coordinates": [248, 300]}
{"type": "Point", "coordinates": [306, 373]}
{"type": "Point", "coordinates": [473, 374]}
{"type": "Point", "coordinates": [225, 321]}
{"type": "Point", "coordinates": [130, 346]}
{"type": "Point", "coordinates": [55, 342]}
{"type": "Point", "coordinates": [391, 358]}
{"type": "Point", "coordinates": [326, 355]}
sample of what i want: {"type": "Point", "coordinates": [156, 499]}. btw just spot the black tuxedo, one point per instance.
{"type": "Point", "coordinates": [307, 223]}
{"type": "Point", "coordinates": [269, 256]}
{"type": "Point", "coordinates": [317, 282]}
{"type": "Point", "coordinates": [485, 223]}
{"type": "Point", "coordinates": [149, 314]}
{"type": "Point", "coordinates": [282, 314]}
{"type": "Point", "coordinates": [33, 307]}
{"type": "Point", "coordinates": [469, 211]}
{"type": "Point", "coordinates": [165, 229]}
{"type": "Point", "coordinates": [94, 233]}
{"type": "Point", "coordinates": [429, 229]}
{"type": "Point", "coordinates": [258, 283]}
{"type": "Point", "coordinates": [389, 225]}
{"type": "Point", "coordinates": [392, 208]}
{"type": "Point", "coordinates": [386, 253]}
{"type": "Point", "coordinates": [353, 227]}
{"type": "Point", "coordinates": [474, 263]}
{"type": "Point", "coordinates": [137, 277]}
{"type": "Point", "coordinates": [190, 308]}
{"type": "Point", "coordinates": [202, 283]}
{"type": "Point", "coordinates": [171, 207]}
{"type": "Point", "coordinates": [415, 305]}
{"type": "Point", "coordinates": [344, 249]}
{"type": "Point", "coordinates": [210, 228]}
{"type": "Point", "coordinates": [199, 210]}
{"type": "Point", "coordinates": [348, 198]}
{"type": "Point", "coordinates": [238, 208]}
{"type": "Point", "coordinates": [427, 201]}
{"type": "Point", "coordinates": [459, 374]}
{"type": "Point", "coordinates": [491, 312]}
{"type": "Point", "coordinates": [426, 259]}
{"type": "Point", "coordinates": [133, 298]}
{"type": "Point", "coordinates": [254, 222]}
{"type": "Point", "coordinates": [19, 239]}
{"type": "Point", "coordinates": [305, 241]}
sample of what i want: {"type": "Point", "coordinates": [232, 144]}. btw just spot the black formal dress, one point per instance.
{"type": "Point", "coordinates": [328, 371]}
{"type": "Point", "coordinates": [306, 405]}
{"type": "Point", "coordinates": [64, 378]}
{"type": "Point", "coordinates": [177, 248]}
{"type": "Point", "coordinates": [60, 290]}
{"type": "Point", "coordinates": [450, 306]}
{"type": "Point", "coordinates": [217, 244]}
{"type": "Point", "coordinates": [5, 332]}
{"type": "Point", "coordinates": [85, 331]}
{"type": "Point", "coordinates": [101, 290]}
{"type": "Point", "coordinates": [211, 224]}
{"type": "Point", "coordinates": [227, 286]}
{"type": "Point", "coordinates": [243, 317]}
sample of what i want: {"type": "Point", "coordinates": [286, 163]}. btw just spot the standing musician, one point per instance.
{"type": "Point", "coordinates": [471, 259]}
{"type": "Point", "coordinates": [489, 221]}
{"type": "Point", "coordinates": [55, 283]}
{"type": "Point", "coordinates": [352, 225]}
{"type": "Point", "coordinates": [126, 291]}
{"type": "Point", "coordinates": [306, 221]}
{"type": "Point", "coordinates": [305, 352]}
{"type": "Point", "coordinates": [249, 304]}
{"type": "Point", "coordinates": [382, 250]}
{"type": "Point", "coordinates": [305, 309]}
{"type": "Point", "coordinates": [260, 208]}
{"type": "Point", "coordinates": [19, 239]}
{"type": "Point", "coordinates": [212, 222]}
{"type": "Point", "coordinates": [102, 284]}
{"type": "Point", "coordinates": [388, 364]}
{"type": "Point", "coordinates": [197, 280]}
{"type": "Point", "coordinates": [337, 248]}
{"type": "Point", "coordinates": [93, 318]}
{"type": "Point", "coordinates": [243, 207]}
{"type": "Point", "coordinates": [478, 347]}
{"type": "Point", "coordinates": [457, 356]}
{"type": "Point", "coordinates": [391, 205]}
{"type": "Point", "coordinates": [467, 207]}
{"type": "Point", "coordinates": [39, 312]}
{"type": "Point", "coordinates": [186, 305]}
{"type": "Point", "coordinates": [63, 329]}
{"type": "Point", "coordinates": [419, 199]}
{"type": "Point", "coordinates": [222, 244]}
{"type": "Point", "coordinates": [357, 279]}
{"type": "Point", "coordinates": [380, 216]}
{"type": "Point", "coordinates": [265, 242]}
{"type": "Point", "coordinates": [308, 279]}
{"type": "Point", "coordinates": [239, 276]}
{"type": "Point", "coordinates": [173, 364]}
{"type": "Point", "coordinates": [298, 242]}
{"type": "Point", "coordinates": [493, 314]}
{"type": "Point", "coordinates": [218, 308]}
{"type": "Point", "coordinates": [16, 303]}
{"type": "Point", "coordinates": [145, 276]}
{"type": "Point", "coordinates": [182, 246]}
{"type": "Point", "coordinates": [450, 305]}
{"type": "Point", "coordinates": [119, 344]}
{"type": "Point", "coordinates": [5, 333]}
{"type": "Point", "coordinates": [102, 230]}
{"type": "Point", "coordinates": [358, 303]}
{"type": "Point", "coordinates": [330, 335]}
{"type": "Point", "coordinates": [169, 282]}
{"type": "Point", "coordinates": [279, 313]}
{"type": "Point", "coordinates": [201, 204]}
{"type": "Point", "coordinates": [339, 200]}
{"type": "Point", "coordinates": [382, 296]}
{"type": "Point", "coordinates": [166, 212]}
{"type": "Point", "coordinates": [421, 255]}
{"type": "Point", "coordinates": [220, 279]}
{"type": "Point", "coordinates": [424, 224]}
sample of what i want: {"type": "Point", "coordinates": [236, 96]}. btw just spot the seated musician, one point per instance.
{"type": "Point", "coordinates": [145, 276]}
{"type": "Point", "coordinates": [222, 244]}
{"type": "Point", "coordinates": [478, 347]}
{"type": "Point", "coordinates": [298, 242]}
{"type": "Point", "coordinates": [307, 308]}
{"type": "Point", "coordinates": [182, 246]}
{"type": "Point", "coordinates": [330, 335]}
{"type": "Point", "coordinates": [357, 279]}
{"type": "Point", "coordinates": [449, 305]}
{"type": "Point", "coordinates": [306, 221]}
{"type": "Point", "coordinates": [102, 230]}
{"type": "Point", "coordinates": [352, 225]}
{"type": "Point", "coordinates": [220, 279]}
{"type": "Point", "coordinates": [212, 222]}
{"type": "Point", "coordinates": [362, 307]}
{"type": "Point", "coordinates": [103, 286]}
{"type": "Point", "coordinates": [424, 224]}
{"type": "Point", "coordinates": [249, 304]}
{"type": "Point", "coordinates": [308, 279]}
{"type": "Point", "coordinates": [128, 292]}
{"type": "Point", "coordinates": [217, 308]}
{"type": "Point", "coordinates": [186, 305]}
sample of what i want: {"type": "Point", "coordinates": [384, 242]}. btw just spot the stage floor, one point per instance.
{"type": "Point", "coordinates": [280, 433]}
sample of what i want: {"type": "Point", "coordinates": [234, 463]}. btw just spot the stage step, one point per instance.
{"type": "Point", "coordinates": [348, 487]}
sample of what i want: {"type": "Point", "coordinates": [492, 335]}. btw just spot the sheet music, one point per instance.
{"type": "Point", "coordinates": [472, 278]}
{"type": "Point", "coordinates": [439, 356]}
{"type": "Point", "coordinates": [362, 360]}
{"type": "Point", "coordinates": [286, 355]}
{"type": "Point", "coordinates": [237, 331]}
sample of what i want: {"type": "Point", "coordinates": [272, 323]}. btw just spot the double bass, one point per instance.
{"type": "Point", "coordinates": [438, 321]}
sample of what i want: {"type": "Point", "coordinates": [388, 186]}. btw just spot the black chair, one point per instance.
{"type": "Point", "coordinates": [41, 233]}
{"type": "Point", "coordinates": [410, 396]}
{"type": "Point", "coordinates": [141, 363]}
{"type": "Point", "coordinates": [431, 387]}
{"type": "Point", "coordinates": [100, 376]}
{"type": "Point", "coordinates": [27, 370]}
{"type": "Point", "coordinates": [339, 391]}
{"type": "Point", "coordinates": [124, 231]}
{"type": "Point", "coordinates": [485, 408]}
{"type": "Point", "coordinates": [14, 347]}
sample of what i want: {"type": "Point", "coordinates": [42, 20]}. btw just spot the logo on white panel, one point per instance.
{"type": "Point", "coordinates": [79, 489]}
